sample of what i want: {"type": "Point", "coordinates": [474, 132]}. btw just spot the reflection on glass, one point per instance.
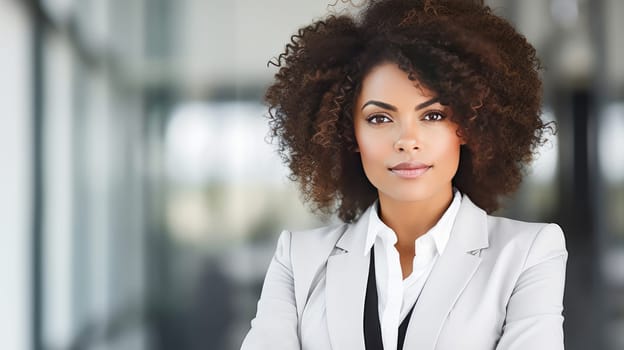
{"type": "Point", "coordinates": [224, 178]}
{"type": "Point", "coordinates": [16, 175]}
{"type": "Point", "coordinates": [59, 206]}
{"type": "Point", "coordinates": [611, 143]}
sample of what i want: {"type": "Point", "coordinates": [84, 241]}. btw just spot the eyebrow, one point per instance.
{"type": "Point", "coordinates": [394, 109]}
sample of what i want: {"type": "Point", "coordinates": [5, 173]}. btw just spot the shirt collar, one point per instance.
{"type": "Point", "coordinates": [440, 232]}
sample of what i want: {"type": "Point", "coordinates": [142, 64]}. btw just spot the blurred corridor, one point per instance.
{"type": "Point", "coordinates": [140, 201]}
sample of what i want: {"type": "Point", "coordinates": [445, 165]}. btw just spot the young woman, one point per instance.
{"type": "Point", "coordinates": [411, 120]}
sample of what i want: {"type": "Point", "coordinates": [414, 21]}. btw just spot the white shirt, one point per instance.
{"type": "Point", "coordinates": [397, 295]}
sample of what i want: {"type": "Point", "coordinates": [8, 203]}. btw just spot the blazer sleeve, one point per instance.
{"type": "Point", "coordinates": [275, 324]}
{"type": "Point", "coordinates": [534, 317]}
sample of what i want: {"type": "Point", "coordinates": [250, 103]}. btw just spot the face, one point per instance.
{"type": "Point", "coordinates": [408, 145]}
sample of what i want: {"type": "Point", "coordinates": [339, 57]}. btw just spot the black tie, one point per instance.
{"type": "Point", "coordinates": [372, 328]}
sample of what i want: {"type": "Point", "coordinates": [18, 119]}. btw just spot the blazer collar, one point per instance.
{"type": "Point", "coordinates": [346, 278]}
{"type": "Point", "coordinates": [449, 276]}
{"type": "Point", "coordinates": [347, 272]}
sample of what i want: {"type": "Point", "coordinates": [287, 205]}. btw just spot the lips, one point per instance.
{"type": "Point", "coordinates": [410, 170]}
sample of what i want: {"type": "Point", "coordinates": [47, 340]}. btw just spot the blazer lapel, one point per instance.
{"type": "Point", "coordinates": [347, 272]}
{"type": "Point", "coordinates": [449, 277]}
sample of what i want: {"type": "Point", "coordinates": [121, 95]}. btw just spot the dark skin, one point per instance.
{"type": "Point", "coordinates": [410, 152]}
{"type": "Point", "coordinates": [408, 228]}
{"type": "Point", "coordinates": [488, 76]}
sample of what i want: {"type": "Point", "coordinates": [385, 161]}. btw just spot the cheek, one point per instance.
{"type": "Point", "coordinates": [371, 146]}
{"type": "Point", "coordinates": [450, 153]}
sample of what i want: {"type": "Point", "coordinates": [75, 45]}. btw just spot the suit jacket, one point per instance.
{"type": "Point", "coordinates": [498, 285]}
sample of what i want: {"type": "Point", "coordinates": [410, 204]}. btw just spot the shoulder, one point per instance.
{"type": "Point", "coordinates": [305, 253]}
{"type": "Point", "coordinates": [319, 235]}
{"type": "Point", "coordinates": [302, 243]}
{"type": "Point", "coordinates": [311, 243]}
{"type": "Point", "coordinates": [534, 241]}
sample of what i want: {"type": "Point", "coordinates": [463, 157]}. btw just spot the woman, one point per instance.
{"type": "Point", "coordinates": [411, 120]}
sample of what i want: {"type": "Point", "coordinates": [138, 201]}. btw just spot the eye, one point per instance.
{"type": "Point", "coordinates": [378, 119]}
{"type": "Point", "coordinates": [434, 116]}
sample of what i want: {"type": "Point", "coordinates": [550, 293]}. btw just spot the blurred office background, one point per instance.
{"type": "Point", "coordinates": [140, 202]}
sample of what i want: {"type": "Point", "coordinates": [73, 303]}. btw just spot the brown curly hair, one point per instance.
{"type": "Point", "coordinates": [475, 61]}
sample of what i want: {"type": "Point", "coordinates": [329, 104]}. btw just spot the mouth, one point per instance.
{"type": "Point", "coordinates": [410, 170]}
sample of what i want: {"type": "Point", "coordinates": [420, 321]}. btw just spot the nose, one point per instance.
{"type": "Point", "coordinates": [408, 140]}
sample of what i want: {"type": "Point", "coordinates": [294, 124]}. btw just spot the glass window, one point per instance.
{"type": "Point", "coordinates": [15, 177]}
{"type": "Point", "coordinates": [58, 186]}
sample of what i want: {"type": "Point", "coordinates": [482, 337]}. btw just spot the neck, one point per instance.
{"type": "Point", "coordinates": [410, 220]}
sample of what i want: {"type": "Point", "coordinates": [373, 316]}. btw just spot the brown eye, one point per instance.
{"type": "Point", "coordinates": [434, 116]}
{"type": "Point", "coordinates": [378, 119]}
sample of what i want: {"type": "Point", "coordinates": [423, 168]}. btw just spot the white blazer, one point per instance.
{"type": "Point", "coordinates": [498, 285]}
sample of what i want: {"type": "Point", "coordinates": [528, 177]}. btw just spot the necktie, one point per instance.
{"type": "Point", "coordinates": [372, 328]}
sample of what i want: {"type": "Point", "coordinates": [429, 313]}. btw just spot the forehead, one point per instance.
{"type": "Point", "coordinates": [388, 82]}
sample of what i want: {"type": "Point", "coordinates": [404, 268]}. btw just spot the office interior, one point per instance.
{"type": "Point", "coordinates": [140, 199]}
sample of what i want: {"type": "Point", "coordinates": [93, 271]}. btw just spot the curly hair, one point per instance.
{"type": "Point", "coordinates": [475, 61]}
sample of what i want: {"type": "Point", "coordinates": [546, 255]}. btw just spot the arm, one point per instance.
{"type": "Point", "coordinates": [534, 313]}
{"type": "Point", "coordinates": [275, 324]}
